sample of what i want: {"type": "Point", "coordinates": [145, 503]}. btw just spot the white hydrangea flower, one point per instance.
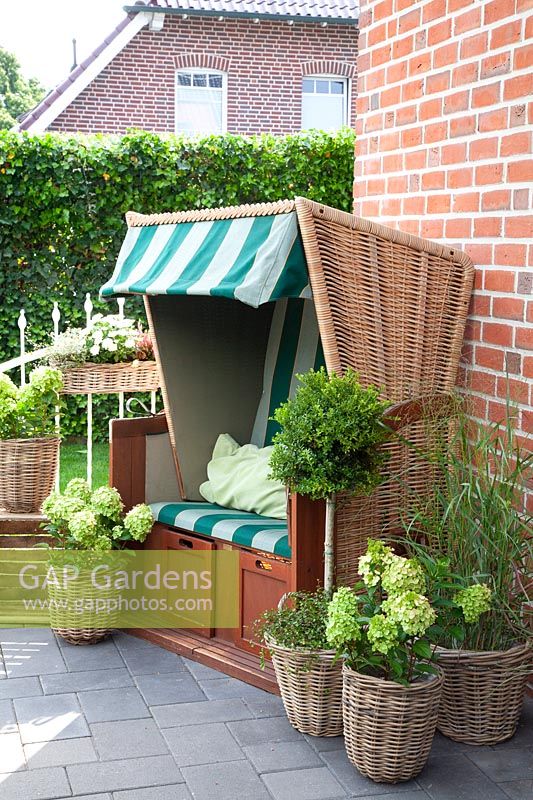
{"type": "Point", "coordinates": [95, 350]}
{"type": "Point", "coordinates": [109, 345]}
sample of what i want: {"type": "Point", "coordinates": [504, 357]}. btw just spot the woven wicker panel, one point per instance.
{"type": "Point", "coordinates": [311, 689]}
{"type": "Point", "coordinates": [393, 307]}
{"type": "Point", "coordinates": [27, 473]}
{"type": "Point", "coordinates": [483, 693]}
{"type": "Point", "coordinates": [64, 619]}
{"type": "Point", "coordinates": [389, 728]}
{"type": "Point", "coordinates": [135, 376]}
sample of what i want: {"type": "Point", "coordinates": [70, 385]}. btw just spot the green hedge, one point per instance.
{"type": "Point", "coordinates": [63, 200]}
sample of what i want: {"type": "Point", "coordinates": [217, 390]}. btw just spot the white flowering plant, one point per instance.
{"type": "Point", "coordinates": [391, 622]}
{"type": "Point", "coordinates": [81, 519]}
{"type": "Point", "coordinates": [109, 339]}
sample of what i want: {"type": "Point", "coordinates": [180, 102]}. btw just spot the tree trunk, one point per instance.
{"type": "Point", "coordinates": [328, 545]}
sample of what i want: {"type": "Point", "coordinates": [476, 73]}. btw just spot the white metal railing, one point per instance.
{"type": "Point", "coordinates": [25, 358]}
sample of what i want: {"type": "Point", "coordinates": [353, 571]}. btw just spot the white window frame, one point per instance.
{"type": "Point", "coordinates": [202, 71]}
{"type": "Point", "coordinates": [330, 76]}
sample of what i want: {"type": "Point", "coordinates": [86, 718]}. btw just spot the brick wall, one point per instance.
{"type": "Point", "coordinates": [265, 64]}
{"type": "Point", "coordinates": [444, 135]}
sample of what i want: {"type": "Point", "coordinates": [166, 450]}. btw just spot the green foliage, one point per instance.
{"type": "Point", "coordinates": [299, 624]}
{"type": "Point", "coordinates": [475, 524]}
{"type": "Point", "coordinates": [63, 201]}
{"type": "Point", "coordinates": [80, 519]}
{"type": "Point", "coordinates": [17, 94]}
{"type": "Point", "coordinates": [29, 411]}
{"type": "Point", "coordinates": [330, 432]}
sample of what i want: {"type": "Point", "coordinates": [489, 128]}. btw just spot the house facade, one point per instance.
{"type": "Point", "coordinates": [207, 66]}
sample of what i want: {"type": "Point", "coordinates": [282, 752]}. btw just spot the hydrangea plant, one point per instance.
{"type": "Point", "coordinates": [80, 519]}
{"type": "Point", "coordinates": [29, 411]}
{"type": "Point", "coordinates": [109, 339]}
{"type": "Point", "coordinates": [390, 623]}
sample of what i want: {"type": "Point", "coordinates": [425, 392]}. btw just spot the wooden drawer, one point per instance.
{"type": "Point", "coordinates": [263, 581]}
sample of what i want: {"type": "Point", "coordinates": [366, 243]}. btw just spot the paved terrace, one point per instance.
{"type": "Point", "coordinates": [126, 720]}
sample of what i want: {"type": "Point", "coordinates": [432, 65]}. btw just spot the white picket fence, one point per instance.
{"type": "Point", "coordinates": [20, 363]}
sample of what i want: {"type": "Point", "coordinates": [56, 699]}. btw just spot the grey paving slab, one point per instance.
{"type": "Point", "coordinates": [11, 754]}
{"type": "Point", "coordinates": [181, 714]}
{"type": "Point", "coordinates": [105, 705]}
{"type": "Point", "coordinates": [201, 672]}
{"type": "Point", "coordinates": [506, 765]}
{"type": "Point", "coordinates": [20, 687]}
{"type": "Point", "coordinates": [29, 651]}
{"type": "Point", "coordinates": [60, 753]}
{"type": "Point", "coordinates": [82, 659]}
{"type": "Point", "coordinates": [268, 706]}
{"type": "Point", "coordinates": [57, 716]}
{"type": "Point", "coordinates": [171, 687]}
{"type": "Point", "coordinates": [457, 778]}
{"type": "Point", "coordinates": [143, 658]}
{"type": "Point", "coordinates": [85, 681]}
{"type": "Point", "coordinates": [128, 738]}
{"type": "Point", "coordinates": [132, 773]}
{"type": "Point", "coordinates": [273, 757]}
{"type": "Point", "coordinates": [105, 796]}
{"type": "Point", "coordinates": [202, 744]}
{"type": "Point", "coordinates": [259, 731]}
{"type": "Point", "coordinates": [323, 744]}
{"type": "Point", "coordinates": [396, 794]}
{"type": "Point", "coordinates": [306, 784]}
{"type": "Point", "coordinates": [8, 722]}
{"type": "Point", "coordinates": [38, 784]}
{"type": "Point", "coordinates": [177, 791]}
{"type": "Point", "coordinates": [355, 784]}
{"type": "Point", "coordinates": [224, 688]}
{"type": "Point", "coordinates": [518, 790]}
{"type": "Point", "coordinates": [235, 780]}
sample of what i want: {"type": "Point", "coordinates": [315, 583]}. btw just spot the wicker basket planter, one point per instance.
{"type": "Point", "coordinates": [132, 376]}
{"type": "Point", "coordinates": [483, 693]}
{"type": "Point", "coordinates": [389, 728]}
{"type": "Point", "coordinates": [310, 682]}
{"type": "Point", "coordinates": [65, 621]}
{"type": "Point", "coordinates": [27, 472]}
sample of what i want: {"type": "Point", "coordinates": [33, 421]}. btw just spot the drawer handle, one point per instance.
{"type": "Point", "coordinates": [263, 565]}
{"type": "Point", "coordinates": [185, 543]}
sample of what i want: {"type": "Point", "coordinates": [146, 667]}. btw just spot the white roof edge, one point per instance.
{"type": "Point", "coordinates": [93, 69]}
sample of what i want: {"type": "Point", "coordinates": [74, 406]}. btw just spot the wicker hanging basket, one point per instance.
{"type": "Point", "coordinates": [483, 693]}
{"type": "Point", "coordinates": [65, 600]}
{"type": "Point", "coordinates": [310, 682]}
{"type": "Point", "coordinates": [131, 376]}
{"type": "Point", "coordinates": [28, 469]}
{"type": "Point", "coordinates": [389, 728]}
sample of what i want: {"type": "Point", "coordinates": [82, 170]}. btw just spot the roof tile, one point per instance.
{"type": "Point", "coordinates": [317, 9]}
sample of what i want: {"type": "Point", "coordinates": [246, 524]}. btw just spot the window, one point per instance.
{"type": "Point", "coordinates": [200, 101]}
{"type": "Point", "coordinates": [324, 103]}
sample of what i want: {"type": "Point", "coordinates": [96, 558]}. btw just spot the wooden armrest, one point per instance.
{"type": "Point", "coordinates": [438, 405]}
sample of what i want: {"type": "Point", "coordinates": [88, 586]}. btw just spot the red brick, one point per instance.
{"type": "Point", "coordinates": [391, 207]}
{"type": "Point", "coordinates": [462, 126]}
{"type": "Point", "coordinates": [520, 171]}
{"type": "Point", "coordinates": [497, 280]}
{"type": "Point", "coordinates": [511, 255]}
{"type": "Point", "coordinates": [380, 55]}
{"type": "Point", "coordinates": [496, 200]}
{"type": "Point", "coordinates": [390, 97]}
{"type": "Point", "coordinates": [433, 180]}
{"type": "Point", "coordinates": [489, 357]}
{"type": "Point", "coordinates": [419, 64]}
{"type": "Point", "coordinates": [489, 173]}
{"type": "Point", "coordinates": [412, 90]}
{"type": "Point", "coordinates": [517, 115]}
{"type": "Point", "coordinates": [415, 160]}
{"type": "Point", "coordinates": [393, 162]}
{"type": "Point", "coordinates": [460, 178]}
{"type": "Point", "coordinates": [528, 367]}
{"type": "Point", "coordinates": [524, 338]}
{"type": "Point", "coordinates": [473, 330]}
{"type": "Point", "coordinates": [469, 201]}
{"type": "Point", "coordinates": [409, 21]}
{"type": "Point", "coordinates": [397, 71]}
{"type": "Point", "coordinates": [493, 120]}
{"type": "Point", "coordinates": [432, 228]}
{"type": "Point", "coordinates": [467, 21]}
{"type": "Point", "coordinates": [482, 149]}
{"type": "Point", "coordinates": [438, 204]}
{"type": "Point", "coordinates": [498, 9]}
{"type": "Point", "coordinates": [397, 184]}
{"type": "Point", "coordinates": [439, 32]}
{"type": "Point", "coordinates": [482, 382]}
{"type": "Point", "coordinates": [521, 86]}
{"type": "Point", "coordinates": [435, 132]}
{"type": "Point", "coordinates": [497, 412]}
{"type": "Point", "coordinates": [523, 57]}
{"type": "Point", "coordinates": [454, 153]}
{"type": "Point", "coordinates": [486, 95]}
{"type": "Point", "coordinates": [474, 46]}
{"type": "Point", "coordinates": [414, 205]}
{"type": "Point", "coordinates": [521, 199]}
{"type": "Point", "coordinates": [402, 47]}
{"type": "Point", "coordinates": [508, 308]}
{"type": "Point", "coordinates": [529, 311]}
{"type": "Point", "coordinates": [495, 65]}
{"type": "Point", "coordinates": [505, 34]}
{"type": "Point", "coordinates": [445, 55]}
{"type": "Point", "coordinates": [497, 333]}
{"type": "Point", "coordinates": [458, 228]}
{"type": "Point", "coordinates": [382, 10]}
{"type": "Point", "coordinates": [411, 137]}
{"type": "Point", "coordinates": [406, 115]}
{"type": "Point", "coordinates": [519, 227]}
{"type": "Point", "coordinates": [435, 9]}
{"type": "Point", "coordinates": [456, 102]}
{"type": "Point", "coordinates": [487, 226]}
{"type": "Point", "coordinates": [465, 73]}
{"type": "Point", "coordinates": [430, 109]}
{"type": "Point", "coordinates": [479, 305]}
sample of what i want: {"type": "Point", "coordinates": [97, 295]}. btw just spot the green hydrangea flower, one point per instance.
{"type": "Point", "coordinates": [84, 527]}
{"type": "Point", "coordinates": [107, 502]}
{"type": "Point", "coordinates": [8, 390]}
{"type": "Point", "coordinates": [403, 575]}
{"type": "Point", "coordinates": [474, 600]}
{"type": "Point", "coordinates": [342, 626]}
{"type": "Point", "coordinates": [60, 509]}
{"type": "Point", "coordinates": [374, 562]}
{"type": "Point", "coordinates": [46, 379]}
{"type": "Point", "coordinates": [138, 522]}
{"type": "Point", "coordinates": [382, 634]}
{"type": "Point", "coordinates": [117, 531]}
{"type": "Point", "coordinates": [77, 487]}
{"type": "Point", "coordinates": [411, 611]}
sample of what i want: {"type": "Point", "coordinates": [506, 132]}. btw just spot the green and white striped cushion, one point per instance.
{"type": "Point", "coordinates": [239, 527]}
{"type": "Point", "coordinates": [294, 347]}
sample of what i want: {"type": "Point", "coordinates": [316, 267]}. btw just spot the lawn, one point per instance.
{"type": "Point", "coordinates": [74, 463]}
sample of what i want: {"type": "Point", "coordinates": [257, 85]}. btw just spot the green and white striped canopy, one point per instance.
{"type": "Point", "coordinates": [253, 259]}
